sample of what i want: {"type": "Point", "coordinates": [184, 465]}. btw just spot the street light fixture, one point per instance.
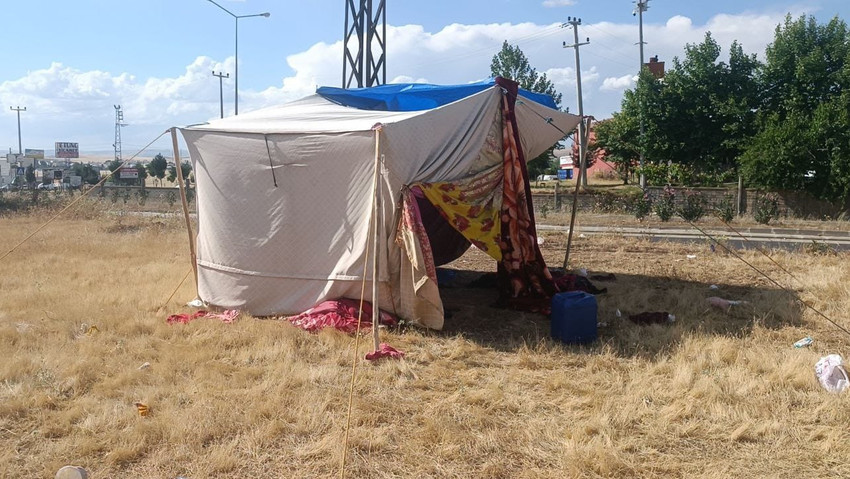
{"type": "Point", "coordinates": [236, 73]}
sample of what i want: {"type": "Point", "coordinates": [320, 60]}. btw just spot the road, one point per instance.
{"type": "Point", "coordinates": [784, 238]}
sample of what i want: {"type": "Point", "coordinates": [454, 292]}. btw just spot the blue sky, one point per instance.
{"type": "Point", "coordinates": [68, 62]}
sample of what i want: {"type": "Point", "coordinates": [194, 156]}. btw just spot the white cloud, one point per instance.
{"type": "Point", "coordinates": [67, 104]}
{"type": "Point", "coordinates": [558, 3]}
{"type": "Point", "coordinates": [618, 83]}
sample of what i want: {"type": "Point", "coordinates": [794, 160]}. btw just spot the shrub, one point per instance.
{"type": "Point", "coordinates": [725, 209]}
{"type": "Point", "coordinates": [693, 207]}
{"type": "Point", "coordinates": [642, 207]}
{"type": "Point", "coordinates": [142, 194]}
{"type": "Point", "coordinates": [171, 198]}
{"type": "Point", "coordinates": [665, 206]}
{"type": "Point", "coordinates": [766, 208]}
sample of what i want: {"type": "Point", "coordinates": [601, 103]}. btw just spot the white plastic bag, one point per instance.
{"type": "Point", "coordinates": [831, 374]}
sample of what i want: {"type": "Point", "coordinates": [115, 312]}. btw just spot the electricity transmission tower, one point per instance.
{"type": "Point", "coordinates": [119, 122]}
{"type": "Point", "coordinates": [364, 57]}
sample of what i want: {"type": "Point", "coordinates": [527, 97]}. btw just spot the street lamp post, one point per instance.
{"type": "Point", "coordinates": [236, 72]}
{"type": "Point", "coordinates": [19, 110]}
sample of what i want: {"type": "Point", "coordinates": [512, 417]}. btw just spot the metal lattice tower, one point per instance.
{"type": "Point", "coordinates": [364, 43]}
{"type": "Point", "coordinates": [119, 122]}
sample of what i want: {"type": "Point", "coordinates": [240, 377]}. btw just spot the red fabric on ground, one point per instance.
{"type": "Point", "coordinates": [385, 351]}
{"type": "Point", "coordinates": [340, 314]}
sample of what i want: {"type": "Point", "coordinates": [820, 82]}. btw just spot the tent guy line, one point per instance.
{"type": "Point", "coordinates": [783, 288]}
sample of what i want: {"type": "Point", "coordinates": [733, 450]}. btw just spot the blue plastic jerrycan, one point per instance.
{"type": "Point", "coordinates": [573, 317]}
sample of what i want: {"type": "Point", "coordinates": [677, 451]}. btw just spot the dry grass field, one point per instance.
{"type": "Point", "coordinates": [713, 395]}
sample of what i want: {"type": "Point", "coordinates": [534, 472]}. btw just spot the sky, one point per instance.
{"type": "Point", "coordinates": [70, 62]}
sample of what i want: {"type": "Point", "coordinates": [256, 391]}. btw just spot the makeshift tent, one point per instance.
{"type": "Point", "coordinates": [285, 195]}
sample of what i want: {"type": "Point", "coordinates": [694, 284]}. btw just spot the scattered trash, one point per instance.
{"type": "Point", "coordinates": [540, 240]}
{"type": "Point", "coordinates": [691, 256]}
{"type": "Point", "coordinates": [144, 366]}
{"type": "Point", "coordinates": [143, 409]}
{"type": "Point", "coordinates": [582, 272]}
{"type": "Point", "coordinates": [714, 286]}
{"type": "Point", "coordinates": [803, 342]}
{"type": "Point", "coordinates": [385, 351]}
{"type": "Point", "coordinates": [659, 317]}
{"type": "Point", "coordinates": [582, 236]}
{"type": "Point", "coordinates": [227, 316]}
{"type": "Point", "coordinates": [72, 472]}
{"type": "Point", "coordinates": [831, 374]}
{"type": "Point", "coordinates": [711, 247]}
{"type": "Point", "coordinates": [618, 314]}
{"type": "Point", "coordinates": [602, 324]}
{"type": "Point", "coordinates": [92, 329]}
{"type": "Point", "coordinates": [196, 303]}
{"type": "Point", "coordinates": [725, 304]}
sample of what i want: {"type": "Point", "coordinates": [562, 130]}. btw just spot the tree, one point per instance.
{"type": "Point", "coordinates": [143, 173]}
{"type": "Point", "coordinates": [618, 137]}
{"type": "Point", "coordinates": [512, 63]}
{"type": "Point", "coordinates": [157, 167]}
{"type": "Point", "coordinates": [29, 175]}
{"type": "Point", "coordinates": [700, 116]}
{"type": "Point", "coordinates": [186, 169]}
{"type": "Point", "coordinates": [88, 174]}
{"type": "Point", "coordinates": [803, 139]}
{"type": "Point", "coordinates": [113, 166]}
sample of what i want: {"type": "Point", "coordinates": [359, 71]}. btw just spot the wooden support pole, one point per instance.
{"type": "Point", "coordinates": [185, 203]}
{"type": "Point", "coordinates": [376, 234]}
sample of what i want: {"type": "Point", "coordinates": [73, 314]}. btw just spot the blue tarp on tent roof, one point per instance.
{"type": "Point", "coordinates": [415, 96]}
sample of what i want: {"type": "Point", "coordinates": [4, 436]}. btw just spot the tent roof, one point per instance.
{"type": "Point", "coordinates": [416, 96]}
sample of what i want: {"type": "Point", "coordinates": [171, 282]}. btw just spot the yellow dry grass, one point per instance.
{"type": "Point", "coordinates": [714, 395]}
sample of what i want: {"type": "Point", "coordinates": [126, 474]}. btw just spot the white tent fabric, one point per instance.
{"type": "Point", "coordinates": [284, 194]}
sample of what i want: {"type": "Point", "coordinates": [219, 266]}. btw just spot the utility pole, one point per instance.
{"type": "Point", "coordinates": [221, 76]}
{"type": "Point", "coordinates": [582, 176]}
{"type": "Point", "coordinates": [582, 146]}
{"type": "Point", "coordinates": [640, 7]}
{"type": "Point", "coordinates": [19, 110]}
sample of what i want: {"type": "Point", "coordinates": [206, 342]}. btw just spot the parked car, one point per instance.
{"type": "Point", "coordinates": [47, 186]}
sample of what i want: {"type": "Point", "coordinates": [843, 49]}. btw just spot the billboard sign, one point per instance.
{"type": "Point", "coordinates": [129, 174]}
{"type": "Point", "coordinates": [66, 149]}
{"type": "Point", "coordinates": [36, 154]}
{"type": "Point", "coordinates": [566, 162]}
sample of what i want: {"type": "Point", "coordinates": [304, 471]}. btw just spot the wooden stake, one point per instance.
{"type": "Point", "coordinates": [183, 200]}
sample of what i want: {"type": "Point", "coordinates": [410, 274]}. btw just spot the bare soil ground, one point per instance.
{"type": "Point", "coordinates": [716, 394]}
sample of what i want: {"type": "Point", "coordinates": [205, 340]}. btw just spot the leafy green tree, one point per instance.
{"type": "Point", "coordinates": [701, 114]}
{"type": "Point", "coordinates": [803, 142]}
{"type": "Point", "coordinates": [87, 172]}
{"type": "Point", "coordinates": [186, 169]}
{"type": "Point", "coordinates": [158, 167]}
{"type": "Point", "coordinates": [512, 63]}
{"type": "Point", "coordinates": [618, 137]}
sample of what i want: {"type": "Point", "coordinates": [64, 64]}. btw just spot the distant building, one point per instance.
{"type": "Point", "coordinates": [655, 67]}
